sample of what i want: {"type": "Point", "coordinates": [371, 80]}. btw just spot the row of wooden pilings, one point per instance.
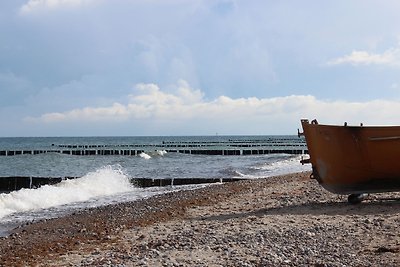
{"type": "Point", "coordinates": [131, 152]}
{"type": "Point", "coordinates": [8, 184]}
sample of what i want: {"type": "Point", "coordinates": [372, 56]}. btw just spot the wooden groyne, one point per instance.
{"type": "Point", "coordinates": [8, 184]}
{"type": "Point", "coordinates": [13, 183]}
{"type": "Point", "coordinates": [131, 152]}
{"type": "Point", "coordinates": [224, 148]}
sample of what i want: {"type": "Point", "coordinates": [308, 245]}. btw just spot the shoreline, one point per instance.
{"type": "Point", "coordinates": [285, 220]}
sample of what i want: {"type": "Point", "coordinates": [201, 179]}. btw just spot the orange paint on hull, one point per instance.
{"type": "Point", "coordinates": [354, 159]}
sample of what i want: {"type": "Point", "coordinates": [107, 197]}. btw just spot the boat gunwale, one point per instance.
{"type": "Point", "coordinates": [354, 126]}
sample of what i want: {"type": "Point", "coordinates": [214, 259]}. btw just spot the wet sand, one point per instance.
{"type": "Point", "coordinates": [280, 221]}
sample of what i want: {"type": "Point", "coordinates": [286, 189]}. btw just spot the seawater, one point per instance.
{"type": "Point", "coordinates": [105, 179]}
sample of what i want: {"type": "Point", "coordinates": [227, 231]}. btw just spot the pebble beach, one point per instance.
{"type": "Point", "coordinates": [285, 220]}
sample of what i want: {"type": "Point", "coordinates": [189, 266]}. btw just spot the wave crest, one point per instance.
{"type": "Point", "coordinates": [105, 181]}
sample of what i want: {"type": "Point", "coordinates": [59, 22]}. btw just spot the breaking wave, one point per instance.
{"type": "Point", "coordinates": [144, 155]}
{"type": "Point", "coordinates": [105, 181]}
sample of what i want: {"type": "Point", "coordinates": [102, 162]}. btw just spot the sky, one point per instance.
{"type": "Point", "coordinates": [196, 67]}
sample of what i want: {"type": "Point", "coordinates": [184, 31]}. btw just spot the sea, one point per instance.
{"type": "Point", "coordinates": [104, 179]}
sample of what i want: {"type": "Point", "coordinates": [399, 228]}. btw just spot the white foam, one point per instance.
{"type": "Point", "coordinates": [161, 152]}
{"type": "Point", "coordinates": [103, 182]}
{"type": "Point", "coordinates": [238, 174]}
{"type": "Point", "coordinates": [290, 165]}
{"type": "Point", "coordinates": [144, 155]}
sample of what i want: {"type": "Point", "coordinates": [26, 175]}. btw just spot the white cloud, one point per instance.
{"type": "Point", "coordinates": [389, 57]}
{"type": "Point", "coordinates": [188, 108]}
{"type": "Point", "coordinates": [33, 5]}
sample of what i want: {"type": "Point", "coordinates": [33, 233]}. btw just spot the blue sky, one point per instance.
{"type": "Point", "coordinates": [198, 67]}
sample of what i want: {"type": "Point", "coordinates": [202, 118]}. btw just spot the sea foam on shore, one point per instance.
{"type": "Point", "coordinates": [105, 181]}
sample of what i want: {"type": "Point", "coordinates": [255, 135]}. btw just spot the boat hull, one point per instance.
{"type": "Point", "coordinates": [354, 159]}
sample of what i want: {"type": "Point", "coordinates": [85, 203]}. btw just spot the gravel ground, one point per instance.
{"type": "Point", "coordinates": [280, 221]}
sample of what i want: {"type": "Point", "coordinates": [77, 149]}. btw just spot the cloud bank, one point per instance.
{"type": "Point", "coordinates": [389, 57]}
{"type": "Point", "coordinates": [186, 107]}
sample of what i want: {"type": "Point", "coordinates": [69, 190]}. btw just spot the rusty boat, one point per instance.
{"type": "Point", "coordinates": [353, 160]}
